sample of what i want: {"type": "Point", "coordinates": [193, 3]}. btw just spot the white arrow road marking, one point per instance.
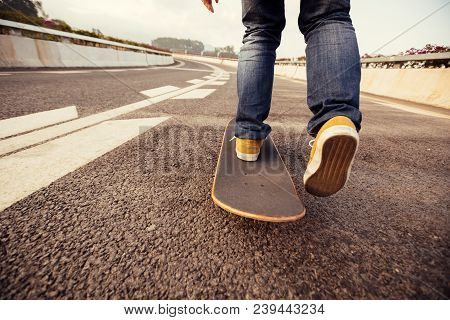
{"type": "Point", "coordinates": [35, 137]}
{"type": "Point", "coordinates": [158, 91]}
{"type": "Point", "coordinates": [12, 126]}
{"type": "Point", "coordinates": [195, 81]}
{"type": "Point", "coordinates": [196, 94]}
{"type": "Point", "coordinates": [29, 170]}
{"type": "Point", "coordinates": [209, 77]}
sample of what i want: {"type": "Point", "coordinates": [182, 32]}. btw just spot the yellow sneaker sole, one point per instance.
{"type": "Point", "coordinates": [330, 167]}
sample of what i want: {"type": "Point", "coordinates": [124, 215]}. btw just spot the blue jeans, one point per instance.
{"type": "Point", "coordinates": [332, 63]}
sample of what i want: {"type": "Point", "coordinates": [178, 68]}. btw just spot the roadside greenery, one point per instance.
{"type": "Point", "coordinates": [31, 12]}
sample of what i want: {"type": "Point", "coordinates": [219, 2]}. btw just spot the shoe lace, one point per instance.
{"type": "Point", "coordinates": [311, 142]}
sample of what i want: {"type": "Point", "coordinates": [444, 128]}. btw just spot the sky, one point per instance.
{"type": "Point", "coordinates": [376, 22]}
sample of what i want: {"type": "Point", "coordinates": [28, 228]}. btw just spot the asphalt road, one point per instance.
{"type": "Point", "coordinates": [139, 222]}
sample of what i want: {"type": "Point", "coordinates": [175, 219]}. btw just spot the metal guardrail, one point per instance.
{"type": "Point", "coordinates": [291, 63]}
{"type": "Point", "coordinates": [392, 59]}
{"type": "Point", "coordinates": [413, 57]}
{"type": "Point", "coordinates": [28, 27]}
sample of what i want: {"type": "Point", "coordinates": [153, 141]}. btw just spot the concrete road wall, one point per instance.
{"type": "Point", "coordinates": [426, 86]}
{"type": "Point", "coordinates": [16, 51]}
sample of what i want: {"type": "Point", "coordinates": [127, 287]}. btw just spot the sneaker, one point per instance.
{"type": "Point", "coordinates": [248, 149]}
{"type": "Point", "coordinates": [331, 158]}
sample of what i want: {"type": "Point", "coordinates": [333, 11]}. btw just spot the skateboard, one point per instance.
{"type": "Point", "coordinates": [261, 190]}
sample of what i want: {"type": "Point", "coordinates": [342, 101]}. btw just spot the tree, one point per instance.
{"type": "Point", "coordinates": [61, 25]}
{"type": "Point", "coordinates": [97, 32]}
{"type": "Point", "coordinates": [30, 8]}
{"type": "Point", "coordinates": [179, 45]}
{"type": "Point", "coordinates": [227, 49]}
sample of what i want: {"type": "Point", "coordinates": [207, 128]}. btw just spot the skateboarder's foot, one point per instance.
{"type": "Point", "coordinates": [248, 149]}
{"type": "Point", "coordinates": [331, 157]}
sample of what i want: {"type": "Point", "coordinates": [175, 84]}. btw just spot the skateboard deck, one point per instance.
{"type": "Point", "coordinates": [261, 190]}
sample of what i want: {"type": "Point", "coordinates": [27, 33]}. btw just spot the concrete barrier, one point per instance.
{"type": "Point", "coordinates": [168, 60]}
{"type": "Point", "coordinates": [291, 71]}
{"type": "Point", "coordinates": [7, 52]}
{"type": "Point", "coordinates": [158, 60]}
{"type": "Point", "coordinates": [300, 73]}
{"type": "Point", "coordinates": [427, 86]}
{"type": "Point", "coordinates": [106, 57]}
{"type": "Point", "coordinates": [132, 59]}
{"type": "Point", "coordinates": [49, 55]}
{"type": "Point", "coordinates": [17, 51]}
{"type": "Point", "coordinates": [230, 63]}
{"type": "Point", "coordinates": [74, 56]}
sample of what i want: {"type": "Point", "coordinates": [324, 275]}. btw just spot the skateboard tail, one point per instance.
{"type": "Point", "coordinates": [256, 216]}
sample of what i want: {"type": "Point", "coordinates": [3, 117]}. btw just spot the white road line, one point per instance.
{"type": "Point", "coordinates": [183, 69]}
{"type": "Point", "coordinates": [29, 139]}
{"type": "Point", "coordinates": [158, 91]}
{"type": "Point", "coordinates": [196, 94]}
{"type": "Point", "coordinates": [217, 83]}
{"type": "Point", "coordinates": [27, 171]}
{"type": "Point", "coordinates": [405, 107]}
{"type": "Point", "coordinates": [13, 126]}
{"type": "Point", "coordinates": [65, 72]}
{"type": "Point", "coordinates": [105, 70]}
{"type": "Point", "coordinates": [181, 63]}
{"type": "Point", "coordinates": [195, 81]}
{"type": "Point", "coordinates": [209, 77]}
{"type": "Point", "coordinates": [38, 136]}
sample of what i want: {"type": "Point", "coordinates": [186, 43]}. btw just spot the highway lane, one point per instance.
{"type": "Point", "coordinates": [92, 91]}
{"type": "Point", "coordinates": [138, 221]}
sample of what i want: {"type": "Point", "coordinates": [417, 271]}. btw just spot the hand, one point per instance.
{"type": "Point", "coordinates": [208, 4]}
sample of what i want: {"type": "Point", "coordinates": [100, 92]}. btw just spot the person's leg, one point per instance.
{"type": "Point", "coordinates": [264, 21]}
{"type": "Point", "coordinates": [332, 61]}
{"type": "Point", "coordinates": [333, 76]}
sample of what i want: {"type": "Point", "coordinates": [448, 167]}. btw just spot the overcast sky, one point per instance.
{"type": "Point", "coordinates": [376, 22]}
